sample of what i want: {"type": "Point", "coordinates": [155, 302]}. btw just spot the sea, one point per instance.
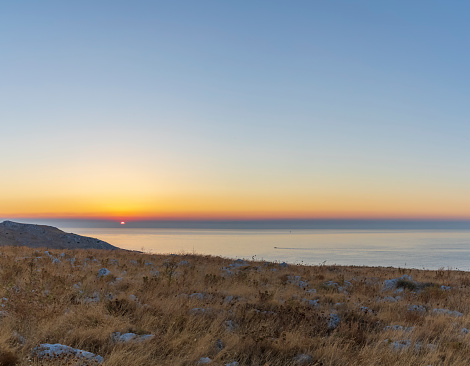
{"type": "Point", "coordinates": [422, 249]}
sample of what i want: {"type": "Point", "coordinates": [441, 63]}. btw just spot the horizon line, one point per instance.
{"type": "Point", "coordinates": [287, 224]}
{"type": "Point", "coordinates": [234, 218]}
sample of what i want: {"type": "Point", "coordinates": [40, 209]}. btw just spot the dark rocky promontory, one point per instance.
{"type": "Point", "coordinates": [37, 236]}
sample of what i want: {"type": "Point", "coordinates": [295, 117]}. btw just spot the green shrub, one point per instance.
{"type": "Point", "coordinates": [408, 285]}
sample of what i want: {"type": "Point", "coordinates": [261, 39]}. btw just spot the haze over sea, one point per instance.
{"type": "Point", "coordinates": [410, 248]}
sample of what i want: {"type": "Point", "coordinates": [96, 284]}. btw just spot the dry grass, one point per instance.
{"type": "Point", "coordinates": [266, 321]}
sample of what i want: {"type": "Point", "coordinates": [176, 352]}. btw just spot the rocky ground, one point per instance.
{"type": "Point", "coordinates": [88, 307]}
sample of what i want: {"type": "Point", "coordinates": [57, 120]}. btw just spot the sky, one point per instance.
{"type": "Point", "coordinates": [234, 110]}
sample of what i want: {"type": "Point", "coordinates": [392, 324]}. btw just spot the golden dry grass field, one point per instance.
{"type": "Point", "coordinates": [193, 309]}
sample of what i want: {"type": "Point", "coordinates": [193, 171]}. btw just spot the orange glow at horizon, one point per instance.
{"type": "Point", "coordinates": [143, 196]}
{"type": "Point", "coordinates": [238, 208]}
{"type": "Point", "coordinates": [165, 121]}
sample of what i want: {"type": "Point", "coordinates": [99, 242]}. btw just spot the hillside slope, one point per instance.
{"type": "Point", "coordinates": [35, 236]}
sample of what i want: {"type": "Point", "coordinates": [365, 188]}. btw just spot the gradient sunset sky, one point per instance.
{"type": "Point", "coordinates": [234, 109]}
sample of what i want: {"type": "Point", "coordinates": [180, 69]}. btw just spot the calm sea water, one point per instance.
{"type": "Point", "coordinates": [430, 249]}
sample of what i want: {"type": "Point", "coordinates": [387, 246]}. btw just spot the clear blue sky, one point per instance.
{"type": "Point", "coordinates": [242, 108]}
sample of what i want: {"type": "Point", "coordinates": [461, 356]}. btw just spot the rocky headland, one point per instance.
{"type": "Point", "coordinates": [43, 236]}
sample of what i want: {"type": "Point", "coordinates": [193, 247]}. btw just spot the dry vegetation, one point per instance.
{"type": "Point", "coordinates": [254, 314]}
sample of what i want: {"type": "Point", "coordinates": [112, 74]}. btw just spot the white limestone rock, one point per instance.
{"type": "Point", "coordinates": [196, 296]}
{"type": "Point", "coordinates": [398, 328]}
{"type": "Point", "coordinates": [103, 272]}
{"type": "Point", "coordinates": [59, 351]}
{"type": "Point", "coordinates": [392, 284]}
{"type": "Point", "coordinates": [303, 359]}
{"type": "Point", "coordinates": [130, 337]}
{"type": "Point", "coordinates": [417, 308]}
{"type": "Point", "coordinates": [204, 361]}
{"type": "Point", "coordinates": [447, 312]}
{"type": "Point", "coordinates": [334, 321]}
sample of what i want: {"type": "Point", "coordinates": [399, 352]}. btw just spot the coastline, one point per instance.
{"type": "Point", "coordinates": [428, 249]}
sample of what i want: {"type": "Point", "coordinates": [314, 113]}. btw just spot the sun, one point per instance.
{"type": "Point", "coordinates": [123, 223]}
